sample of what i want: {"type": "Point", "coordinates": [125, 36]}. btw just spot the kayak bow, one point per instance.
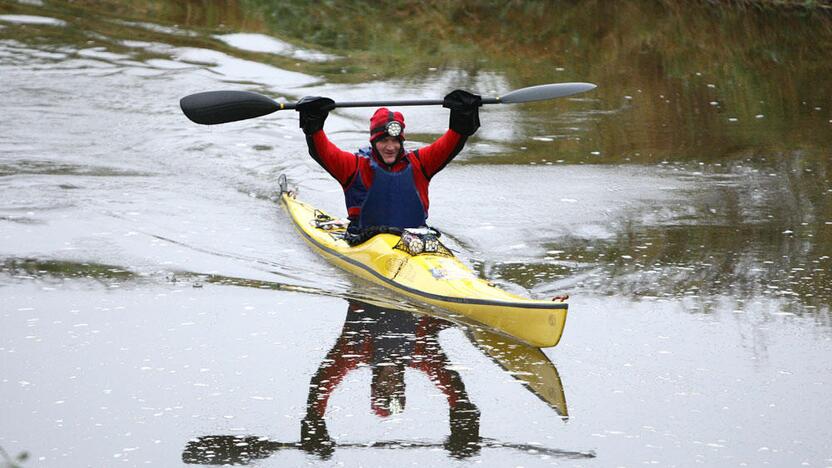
{"type": "Point", "coordinates": [440, 280]}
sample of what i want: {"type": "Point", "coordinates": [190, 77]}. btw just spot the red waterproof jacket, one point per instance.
{"type": "Point", "coordinates": [347, 167]}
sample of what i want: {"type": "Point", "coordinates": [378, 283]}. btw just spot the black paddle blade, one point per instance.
{"type": "Point", "coordinates": [230, 450]}
{"type": "Point", "coordinates": [216, 107]}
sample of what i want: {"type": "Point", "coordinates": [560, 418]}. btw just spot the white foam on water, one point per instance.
{"type": "Point", "coordinates": [234, 69]}
{"type": "Point", "coordinates": [32, 19]}
{"type": "Point", "coordinates": [253, 42]}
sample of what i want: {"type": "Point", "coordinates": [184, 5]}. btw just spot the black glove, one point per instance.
{"type": "Point", "coordinates": [465, 111]}
{"type": "Point", "coordinates": [314, 438]}
{"type": "Point", "coordinates": [313, 112]}
{"type": "Point", "coordinates": [464, 440]}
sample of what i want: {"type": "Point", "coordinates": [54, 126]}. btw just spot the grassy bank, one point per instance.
{"type": "Point", "coordinates": [678, 79]}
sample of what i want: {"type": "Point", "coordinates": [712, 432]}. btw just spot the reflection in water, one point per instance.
{"type": "Point", "coordinates": [380, 335]}
{"type": "Point", "coordinates": [390, 341]}
{"type": "Point", "coordinates": [243, 450]}
{"type": "Point", "coordinates": [12, 463]}
{"type": "Point", "coordinates": [527, 364]}
{"type": "Point", "coordinates": [27, 268]}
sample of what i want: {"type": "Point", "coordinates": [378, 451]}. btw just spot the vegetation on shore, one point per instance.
{"type": "Point", "coordinates": [679, 79]}
{"type": "Point", "coordinates": [398, 38]}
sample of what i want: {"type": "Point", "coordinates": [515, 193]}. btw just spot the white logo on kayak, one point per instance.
{"type": "Point", "coordinates": [439, 273]}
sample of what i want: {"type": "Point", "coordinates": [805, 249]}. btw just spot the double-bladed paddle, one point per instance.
{"type": "Point", "coordinates": [216, 107]}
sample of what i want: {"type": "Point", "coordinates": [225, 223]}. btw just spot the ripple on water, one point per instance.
{"type": "Point", "coordinates": [267, 44]}
{"type": "Point", "coordinates": [32, 20]}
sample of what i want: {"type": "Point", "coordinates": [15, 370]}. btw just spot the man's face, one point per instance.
{"type": "Point", "coordinates": [388, 148]}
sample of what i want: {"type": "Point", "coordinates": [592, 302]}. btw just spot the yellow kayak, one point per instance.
{"type": "Point", "coordinates": [436, 278]}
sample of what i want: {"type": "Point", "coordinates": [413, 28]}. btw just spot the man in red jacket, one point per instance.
{"type": "Point", "coordinates": [386, 185]}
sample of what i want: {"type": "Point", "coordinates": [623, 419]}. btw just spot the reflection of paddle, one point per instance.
{"type": "Point", "coordinates": [526, 364]}
{"type": "Point", "coordinates": [216, 107]}
{"type": "Point", "coordinates": [242, 450]}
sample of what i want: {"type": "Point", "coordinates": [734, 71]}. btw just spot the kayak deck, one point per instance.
{"type": "Point", "coordinates": [439, 280]}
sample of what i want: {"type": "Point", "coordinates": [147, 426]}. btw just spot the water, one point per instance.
{"type": "Point", "coordinates": [159, 308]}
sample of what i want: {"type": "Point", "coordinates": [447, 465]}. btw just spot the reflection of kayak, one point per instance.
{"type": "Point", "coordinates": [438, 279]}
{"type": "Point", "coordinates": [528, 365]}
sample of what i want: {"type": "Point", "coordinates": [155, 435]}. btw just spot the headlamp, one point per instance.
{"type": "Point", "coordinates": [393, 128]}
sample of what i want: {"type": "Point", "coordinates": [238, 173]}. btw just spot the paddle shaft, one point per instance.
{"type": "Point", "coordinates": [216, 107]}
{"type": "Point", "coordinates": [401, 103]}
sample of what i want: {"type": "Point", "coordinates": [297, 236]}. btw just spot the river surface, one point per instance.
{"type": "Point", "coordinates": [158, 308]}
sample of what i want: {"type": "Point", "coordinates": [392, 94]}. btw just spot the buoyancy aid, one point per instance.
{"type": "Point", "coordinates": [392, 200]}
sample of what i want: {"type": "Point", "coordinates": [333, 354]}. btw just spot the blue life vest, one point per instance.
{"type": "Point", "coordinates": [392, 200]}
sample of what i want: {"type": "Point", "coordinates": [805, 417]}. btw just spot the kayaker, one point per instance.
{"type": "Point", "coordinates": [386, 185]}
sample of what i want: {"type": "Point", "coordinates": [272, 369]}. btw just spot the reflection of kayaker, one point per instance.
{"type": "Point", "coordinates": [390, 342]}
